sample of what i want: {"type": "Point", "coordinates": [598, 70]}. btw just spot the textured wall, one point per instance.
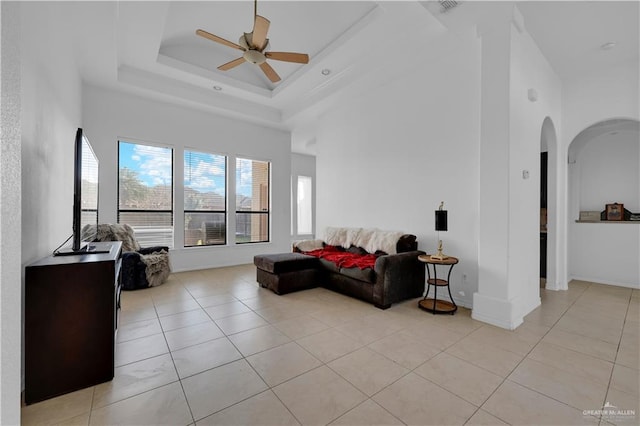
{"type": "Point", "coordinates": [49, 90]}
{"type": "Point", "coordinates": [10, 269]}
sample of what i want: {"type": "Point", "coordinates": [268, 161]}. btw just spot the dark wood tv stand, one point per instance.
{"type": "Point", "coordinates": [71, 315]}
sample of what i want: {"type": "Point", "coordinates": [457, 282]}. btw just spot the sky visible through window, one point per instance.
{"type": "Point", "coordinates": [244, 178]}
{"type": "Point", "coordinates": [152, 165]}
{"type": "Point", "coordinates": [204, 172]}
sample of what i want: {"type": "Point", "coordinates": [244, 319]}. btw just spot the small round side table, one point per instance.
{"type": "Point", "coordinates": [435, 305]}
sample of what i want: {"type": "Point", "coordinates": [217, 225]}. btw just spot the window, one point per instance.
{"type": "Point", "coordinates": [145, 192]}
{"type": "Point", "coordinates": [89, 186]}
{"type": "Point", "coordinates": [252, 201]}
{"type": "Point", "coordinates": [305, 208]}
{"type": "Point", "coordinates": [205, 212]}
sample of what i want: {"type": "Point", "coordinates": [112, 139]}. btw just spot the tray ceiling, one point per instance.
{"type": "Point", "coordinates": [150, 47]}
{"type": "Point", "coordinates": [304, 27]}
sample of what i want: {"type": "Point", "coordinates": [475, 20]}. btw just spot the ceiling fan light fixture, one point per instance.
{"type": "Point", "coordinates": [254, 57]}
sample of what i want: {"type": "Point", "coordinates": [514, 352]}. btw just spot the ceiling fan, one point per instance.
{"type": "Point", "coordinates": [253, 45]}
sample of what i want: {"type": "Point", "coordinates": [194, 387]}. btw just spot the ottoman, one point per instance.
{"type": "Point", "coordinates": [286, 272]}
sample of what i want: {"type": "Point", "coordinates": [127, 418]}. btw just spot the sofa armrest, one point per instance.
{"type": "Point", "coordinates": [398, 277]}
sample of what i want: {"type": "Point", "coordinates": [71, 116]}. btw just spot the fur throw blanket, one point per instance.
{"type": "Point", "coordinates": [370, 239]}
{"type": "Point", "coordinates": [308, 245]}
{"type": "Point", "coordinates": [158, 267]}
{"type": "Point", "coordinates": [111, 232]}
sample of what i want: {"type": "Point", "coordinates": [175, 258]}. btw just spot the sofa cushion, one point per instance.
{"type": "Point", "coordinates": [357, 250]}
{"type": "Point", "coordinates": [329, 265]}
{"type": "Point", "coordinates": [284, 262]}
{"type": "Point", "coordinates": [367, 275]}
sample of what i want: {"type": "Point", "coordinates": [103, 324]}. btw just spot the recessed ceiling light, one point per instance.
{"type": "Point", "coordinates": [608, 46]}
{"type": "Point", "coordinates": [218, 88]}
{"type": "Point", "coordinates": [326, 71]}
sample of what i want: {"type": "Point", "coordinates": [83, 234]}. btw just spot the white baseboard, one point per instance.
{"type": "Point", "coordinates": [606, 282]}
{"type": "Point", "coordinates": [494, 311]}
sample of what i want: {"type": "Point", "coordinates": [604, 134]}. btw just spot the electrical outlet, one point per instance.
{"type": "Point", "coordinates": [464, 277]}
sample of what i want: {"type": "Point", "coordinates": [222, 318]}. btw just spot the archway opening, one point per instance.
{"type": "Point", "coordinates": [548, 205]}
{"type": "Point", "coordinates": [604, 168]}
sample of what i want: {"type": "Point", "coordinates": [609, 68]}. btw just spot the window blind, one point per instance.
{"type": "Point", "coordinates": [204, 199]}
{"type": "Point", "coordinates": [252, 200]}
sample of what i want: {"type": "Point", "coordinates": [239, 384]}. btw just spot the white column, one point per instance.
{"type": "Point", "coordinates": [493, 302]}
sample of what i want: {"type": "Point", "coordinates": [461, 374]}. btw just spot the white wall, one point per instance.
{"type": "Point", "coordinates": [597, 96]}
{"type": "Point", "coordinates": [605, 253]}
{"type": "Point", "coordinates": [110, 116]}
{"type": "Point", "coordinates": [10, 267]}
{"type": "Point", "coordinates": [51, 113]}
{"type": "Point", "coordinates": [387, 159]}
{"type": "Point", "coordinates": [609, 171]}
{"type": "Point", "coordinates": [587, 100]}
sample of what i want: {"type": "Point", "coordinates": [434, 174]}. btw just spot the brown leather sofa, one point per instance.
{"type": "Point", "coordinates": [395, 277]}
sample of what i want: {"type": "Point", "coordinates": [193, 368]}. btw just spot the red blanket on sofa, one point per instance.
{"type": "Point", "coordinates": [344, 259]}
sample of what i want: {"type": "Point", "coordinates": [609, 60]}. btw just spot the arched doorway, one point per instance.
{"type": "Point", "coordinates": [604, 168]}
{"type": "Point", "coordinates": [548, 205]}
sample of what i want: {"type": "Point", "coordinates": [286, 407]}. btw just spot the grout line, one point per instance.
{"type": "Point", "coordinates": [356, 318]}
{"type": "Point", "coordinates": [93, 396]}
{"type": "Point", "coordinates": [606, 395]}
{"type": "Point", "coordinates": [285, 405]}
{"type": "Point", "coordinates": [525, 357]}
{"type": "Point", "coordinates": [176, 368]}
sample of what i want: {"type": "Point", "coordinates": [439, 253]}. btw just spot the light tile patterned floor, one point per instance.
{"type": "Point", "coordinates": [212, 348]}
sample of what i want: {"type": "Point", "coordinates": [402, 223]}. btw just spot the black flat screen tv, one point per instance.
{"type": "Point", "coordinates": [85, 194]}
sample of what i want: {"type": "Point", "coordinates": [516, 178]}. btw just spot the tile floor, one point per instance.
{"type": "Point", "coordinates": [212, 348]}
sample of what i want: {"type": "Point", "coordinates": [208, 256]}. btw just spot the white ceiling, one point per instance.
{"type": "Point", "coordinates": [309, 27]}
{"type": "Point", "coordinates": [570, 33]}
{"type": "Point", "coordinates": [151, 48]}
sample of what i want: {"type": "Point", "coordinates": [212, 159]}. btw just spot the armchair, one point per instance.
{"type": "Point", "coordinates": [141, 267]}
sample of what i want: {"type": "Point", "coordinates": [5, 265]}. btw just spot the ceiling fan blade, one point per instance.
{"type": "Point", "coordinates": [207, 35]}
{"type": "Point", "coordinates": [300, 58]}
{"type": "Point", "coordinates": [270, 72]}
{"type": "Point", "coordinates": [231, 64]}
{"type": "Point", "coordinates": [260, 29]}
